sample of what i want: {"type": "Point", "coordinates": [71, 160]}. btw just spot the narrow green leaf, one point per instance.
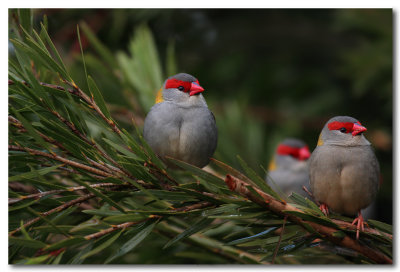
{"type": "Point", "coordinates": [23, 231]}
{"type": "Point", "coordinates": [251, 238]}
{"type": "Point", "coordinates": [167, 195]}
{"type": "Point", "coordinates": [25, 18]}
{"type": "Point", "coordinates": [83, 57]}
{"type": "Point", "coordinates": [199, 172]}
{"type": "Point", "coordinates": [65, 243]}
{"type": "Point", "coordinates": [103, 245]}
{"type": "Point", "coordinates": [272, 240]}
{"type": "Point", "coordinates": [98, 97]}
{"type": "Point", "coordinates": [314, 207]}
{"type": "Point", "coordinates": [153, 157]}
{"type": "Point", "coordinates": [121, 149]}
{"type": "Point", "coordinates": [24, 54]}
{"type": "Point", "coordinates": [102, 213]}
{"type": "Point", "coordinates": [35, 260]}
{"type": "Point", "coordinates": [54, 50]}
{"type": "Point", "coordinates": [40, 42]}
{"type": "Point", "coordinates": [27, 125]}
{"type": "Point", "coordinates": [133, 144]}
{"type": "Point", "coordinates": [53, 225]}
{"type": "Point", "coordinates": [232, 171]}
{"type": "Point", "coordinates": [298, 199]}
{"type": "Point", "coordinates": [238, 216]}
{"type": "Point", "coordinates": [33, 173]}
{"type": "Point", "coordinates": [49, 229]}
{"type": "Point", "coordinates": [196, 227]}
{"type": "Point", "coordinates": [380, 225]}
{"type": "Point", "coordinates": [260, 183]}
{"type": "Point", "coordinates": [199, 195]}
{"type": "Point", "coordinates": [41, 55]}
{"type": "Point", "coordinates": [132, 243]}
{"type": "Point", "coordinates": [312, 218]}
{"type": "Point", "coordinates": [57, 260]}
{"type": "Point", "coordinates": [26, 242]}
{"type": "Point", "coordinates": [22, 206]}
{"type": "Point", "coordinates": [77, 258]}
{"type": "Point", "coordinates": [89, 224]}
{"type": "Point", "coordinates": [101, 195]}
{"type": "Point", "coordinates": [118, 219]}
{"type": "Point", "coordinates": [226, 208]}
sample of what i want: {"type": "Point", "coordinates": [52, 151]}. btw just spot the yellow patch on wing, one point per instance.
{"type": "Point", "coordinates": [159, 97]}
{"type": "Point", "coordinates": [320, 141]}
{"type": "Point", "coordinates": [272, 165]}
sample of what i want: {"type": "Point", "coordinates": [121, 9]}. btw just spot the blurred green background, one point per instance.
{"type": "Point", "coordinates": [268, 73]}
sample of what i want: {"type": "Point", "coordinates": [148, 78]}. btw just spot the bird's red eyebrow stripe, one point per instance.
{"type": "Point", "coordinates": [175, 83]}
{"type": "Point", "coordinates": [287, 150]}
{"type": "Point", "coordinates": [335, 125]}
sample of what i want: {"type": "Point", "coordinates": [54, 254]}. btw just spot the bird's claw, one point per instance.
{"type": "Point", "coordinates": [324, 209]}
{"type": "Point", "coordinates": [360, 224]}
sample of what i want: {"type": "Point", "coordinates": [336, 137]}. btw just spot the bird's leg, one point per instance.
{"type": "Point", "coordinates": [324, 208]}
{"type": "Point", "coordinates": [360, 224]}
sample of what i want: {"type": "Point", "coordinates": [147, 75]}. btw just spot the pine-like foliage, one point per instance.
{"type": "Point", "coordinates": [84, 190]}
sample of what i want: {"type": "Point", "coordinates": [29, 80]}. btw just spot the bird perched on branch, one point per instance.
{"type": "Point", "coordinates": [180, 125]}
{"type": "Point", "coordinates": [344, 172]}
{"type": "Point", "coordinates": [288, 168]}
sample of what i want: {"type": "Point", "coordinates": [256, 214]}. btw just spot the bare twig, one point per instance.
{"type": "Point", "coordinates": [114, 228]}
{"type": "Point", "coordinates": [59, 158]}
{"type": "Point", "coordinates": [279, 241]}
{"type": "Point", "coordinates": [70, 189]}
{"type": "Point", "coordinates": [279, 208]}
{"type": "Point", "coordinates": [57, 209]}
{"type": "Point", "coordinates": [196, 206]}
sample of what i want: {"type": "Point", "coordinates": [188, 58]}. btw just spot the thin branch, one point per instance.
{"type": "Point", "coordinates": [200, 205]}
{"type": "Point", "coordinates": [70, 189]}
{"type": "Point", "coordinates": [114, 228]}
{"type": "Point", "coordinates": [57, 209]}
{"type": "Point", "coordinates": [61, 159]}
{"type": "Point", "coordinates": [71, 170]}
{"type": "Point", "coordinates": [279, 208]}
{"type": "Point", "coordinates": [279, 241]}
{"type": "Point", "coordinates": [15, 122]}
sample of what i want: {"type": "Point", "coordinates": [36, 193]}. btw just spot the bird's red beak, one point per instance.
{"type": "Point", "coordinates": [304, 153]}
{"type": "Point", "coordinates": [357, 129]}
{"type": "Point", "coordinates": [195, 88]}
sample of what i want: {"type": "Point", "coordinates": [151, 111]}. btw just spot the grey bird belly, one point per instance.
{"type": "Point", "coordinates": [344, 178]}
{"type": "Point", "coordinates": [187, 134]}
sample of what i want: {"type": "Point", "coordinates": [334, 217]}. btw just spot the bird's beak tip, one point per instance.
{"type": "Point", "coordinates": [358, 129]}
{"type": "Point", "coordinates": [195, 89]}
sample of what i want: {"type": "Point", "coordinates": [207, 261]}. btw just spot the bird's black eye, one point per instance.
{"type": "Point", "coordinates": [181, 88]}
{"type": "Point", "coordinates": [343, 130]}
